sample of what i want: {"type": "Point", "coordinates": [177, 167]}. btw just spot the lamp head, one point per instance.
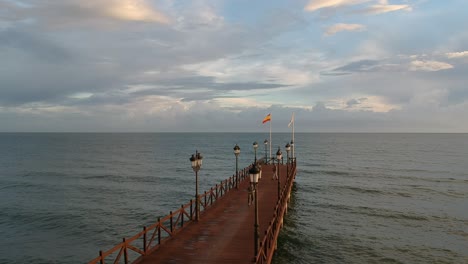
{"type": "Point", "coordinates": [236, 150]}
{"type": "Point", "coordinates": [255, 145]}
{"type": "Point", "coordinates": [279, 155]}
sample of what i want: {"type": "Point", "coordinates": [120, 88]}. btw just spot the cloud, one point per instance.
{"type": "Point", "coordinates": [315, 5]}
{"type": "Point", "coordinates": [384, 7]}
{"type": "Point", "coordinates": [132, 10]}
{"type": "Point", "coordinates": [271, 70]}
{"type": "Point", "coordinates": [381, 7]}
{"type": "Point", "coordinates": [430, 66]}
{"type": "Point", "coordinates": [369, 103]}
{"type": "Point", "coordinates": [456, 55]}
{"type": "Point", "coordinates": [344, 27]}
{"type": "Point", "coordinates": [66, 13]}
{"type": "Point", "coordinates": [355, 66]}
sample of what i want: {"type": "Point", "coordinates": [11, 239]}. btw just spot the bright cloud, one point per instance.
{"type": "Point", "coordinates": [315, 5]}
{"type": "Point", "coordinates": [379, 7]}
{"type": "Point", "coordinates": [344, 27]}
{"type": "Point", "coordinates": [134, 10]}
{"type": "Point", "coordinates": [420, 65]}
{"type": "Point", "coordinates": [370, 103]}
{"type": "Point", "coordinates": [384, 7]}
{"type": "Point", "coordinates": [232, 70]}
{"type": "Point", "coordinates": [456, 55]}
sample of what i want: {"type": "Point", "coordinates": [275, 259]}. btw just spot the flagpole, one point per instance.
{"type": "Point", "coordinates": [294, 147]}
{"type": "Point", "coordinates": [270, 139]}
{"type": "Point", "coordinates": [293, 123]}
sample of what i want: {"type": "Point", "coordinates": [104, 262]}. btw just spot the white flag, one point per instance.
{"type": "Point", "coordinates": [292, 120]}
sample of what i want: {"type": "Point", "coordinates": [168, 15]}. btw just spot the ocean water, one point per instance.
{"type": "Point", "coordinates": [358, 198]}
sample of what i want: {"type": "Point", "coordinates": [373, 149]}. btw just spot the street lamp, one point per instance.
{"type": "Point", "coordinates": [266, 144]}
{"type": "Point", "coordinates": [288, 148]}
{"type": "Point", "coordinates": [237, 152]}
{"type": "Point", "coordinates": [278, 158]}
{"type": "Point", "coordinates": [254, 173]}
{"type": "Point", "coordinates": [196, 161]}
{"type": "Point", "coordinates": [255, 146]}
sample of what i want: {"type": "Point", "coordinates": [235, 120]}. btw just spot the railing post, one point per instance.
{"type": "Point", "coordinates": [170, 213]}
{"type": "Point", "coordinates": [191, 208]}
{"type": "Point", "coordinates": [182, 216]}
{"type": "Point", "coordinates": [211, 196]}
{"type": "Point", "coordinates": [144, 239]}
{"type": "Point", "coordinates": [221, 189]}
{"type": "Point", "coordinates": [216, 190]}
{"type": "Point", "coordinates": [101, 261]}
{"type": "Point", "coordinates": [159, 230]}
{"type": "Point", "coordinates": [125, 251]}
{"type": "Point", "coordinates": [204, 208]}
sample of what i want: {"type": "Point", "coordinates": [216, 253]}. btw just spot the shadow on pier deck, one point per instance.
{"type": "Point", "coordinates": [225, 232]}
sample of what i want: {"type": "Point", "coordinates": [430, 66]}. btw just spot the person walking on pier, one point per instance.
{"type": "Point", "coordinates": [275, 175]}
{"type": "Point", "coordinates": [250, 198]}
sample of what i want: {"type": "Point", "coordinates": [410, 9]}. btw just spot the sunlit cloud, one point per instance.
{"type": "Point", "coordinates": [134, 10]}
{"type": "Point", "coordinates": [380, 7]}
{"type": "Point", "coordinates": [81, 95]}
{"type": "Point", "coordinates": [419, 65]}
{"type": "Point", "coordinates": [456, 55]}
{"type": "Point", "coordinates": [369, 103]}
{"type": "Point", "coordinates": [237, 104]}
{"type": "Point", "coordinates": [231, 70]}
{"type": "Point", "coordinates": [384, 7]}
{"type": "Point", "coordinates": [343, 27]}
{"type": "Point", "coordinates": [315, 5]}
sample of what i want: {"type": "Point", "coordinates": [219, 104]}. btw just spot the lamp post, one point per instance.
{"type": "Point", "coordinates": [278, 158]}
{"type": "Point", "coordinates": [254, 173]}
{"type": "Point", "coordinates": [288, 148]}
{"type": "Point", "coordinates": [255, 146]}
{"type": "Point", "coordinates": [196, 161]}
{"type": "Point", "coordinates": [237, 152]}
{"type": "Point", "coordinates": [266, 144]}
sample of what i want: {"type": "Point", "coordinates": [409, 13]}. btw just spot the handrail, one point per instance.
{"type": "Point", "coordinates": [158, 233]}
{"type": "Point", "coordinates": [265, 253]}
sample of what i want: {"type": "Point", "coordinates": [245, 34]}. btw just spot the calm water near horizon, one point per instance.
{"type": "Point", "coordinates": [358, 198]}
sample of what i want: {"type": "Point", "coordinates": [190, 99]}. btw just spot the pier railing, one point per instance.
{"type": "Point", "coordinates": [268, 243]}
{"type": "Point", "coordinates": [130, 250]}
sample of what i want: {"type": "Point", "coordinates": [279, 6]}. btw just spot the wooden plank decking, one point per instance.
{"type": "Point", "coordinates": [225, 232]}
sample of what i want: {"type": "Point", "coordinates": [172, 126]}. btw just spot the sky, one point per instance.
{"type": "Point", "coordinates": [222, 66]}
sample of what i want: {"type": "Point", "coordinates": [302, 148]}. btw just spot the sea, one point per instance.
{"type": "Point", "coordinates": [357, 198]}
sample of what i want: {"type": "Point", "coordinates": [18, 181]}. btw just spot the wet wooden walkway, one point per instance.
{"type": "Point", "coordinates": [225, 231]}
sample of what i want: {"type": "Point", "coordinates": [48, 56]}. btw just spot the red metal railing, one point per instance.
{"type": "Point", "coordinates": [268, 243]}
{"type": "Point", "coordinates": [153, 236]}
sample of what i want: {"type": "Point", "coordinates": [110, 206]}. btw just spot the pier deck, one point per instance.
{"type": "Point", "coordinates": [225, 231]}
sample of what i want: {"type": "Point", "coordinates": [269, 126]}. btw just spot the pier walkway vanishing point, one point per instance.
{"type": "Point", "coordinates": [225, 231]}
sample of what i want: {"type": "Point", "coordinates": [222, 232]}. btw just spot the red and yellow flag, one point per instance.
{"type": "Point", "coordinates": [266, 119]}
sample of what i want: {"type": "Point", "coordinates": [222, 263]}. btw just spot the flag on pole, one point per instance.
{"type": "Point", "coordinates": [292, 121]}
{"type": "Point", "coordinates": [266, 119]}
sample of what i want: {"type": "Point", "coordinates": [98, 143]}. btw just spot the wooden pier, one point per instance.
{"type": "Point", "coordinates": [225, 231]}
